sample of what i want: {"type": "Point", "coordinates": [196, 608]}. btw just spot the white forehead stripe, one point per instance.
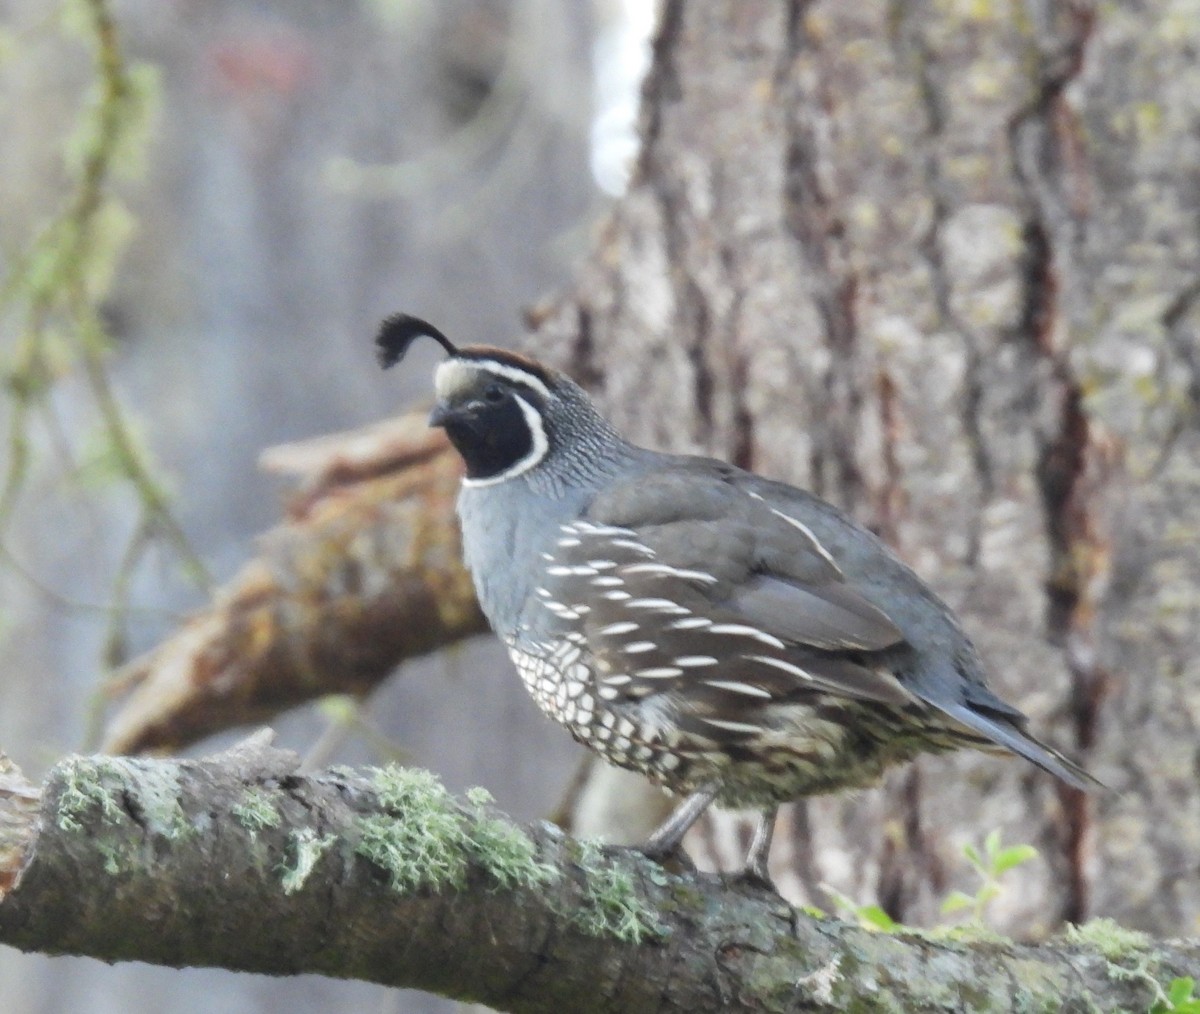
{"type": "Point", "coordinates": [538, 451]}
{"type": "Point", "coordinates": [454, 374]}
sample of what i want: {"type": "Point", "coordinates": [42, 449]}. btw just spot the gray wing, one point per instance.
{"type": "Point", "coordinates": [685, 587]}
{"type": "Point", "coordinates": [693, 589]}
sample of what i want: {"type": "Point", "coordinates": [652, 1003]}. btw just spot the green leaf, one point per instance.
{"type": "Point", "coordinates": [956, 901]}
{"type": "Point", "coordinates": [840, 901]}
{"type": "Point", "coordinates": [1181, 989]}
{"type": "Point", "coordinates": [1181, 997]}
{"type": "Point", "coordinates": [991, 844]}
{"type": "Point", "coordinates": [874, 917]}
{"type": "Point", "coordinates": [1012, 856]}
{"type": "Point", "coordinates": [972, 855]}
{"type": "Point", "coordinates": [339, 708]}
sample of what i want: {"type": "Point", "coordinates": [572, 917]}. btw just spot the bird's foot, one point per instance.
{"type": "Point", "coordinates": [669, 856]}
{"type": "Point", "coordinates": [665, 845]}
{"type": "Point", "coordinates": [754, 874]}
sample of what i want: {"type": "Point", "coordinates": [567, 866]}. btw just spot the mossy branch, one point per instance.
{"type": "Point", "coordinates": [241, 862]}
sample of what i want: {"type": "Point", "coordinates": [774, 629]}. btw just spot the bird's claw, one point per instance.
{"type": "Point", "coordinates": [672, 858]}
{"type": "Point", "coordinates": [754, 874]}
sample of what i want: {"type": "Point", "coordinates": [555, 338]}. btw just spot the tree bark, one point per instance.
{"type": "Point", "coordinates": [239, 861]}
{"type": "Point", "coordinates": [938, 264]}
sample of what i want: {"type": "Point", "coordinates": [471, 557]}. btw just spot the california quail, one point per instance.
{"type": "Point", "coordinates": [735, 639]}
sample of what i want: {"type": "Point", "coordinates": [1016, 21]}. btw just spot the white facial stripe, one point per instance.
{"type": "Point", "coordinates": [518, 375]}
{"type": "Point", "coordinates": [454, 374]}
{"type": "Point", "coordinates": [540, 446]}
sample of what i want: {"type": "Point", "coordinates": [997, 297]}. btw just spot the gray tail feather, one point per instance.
{"type": "Point", "coordinates": [1012, 737]}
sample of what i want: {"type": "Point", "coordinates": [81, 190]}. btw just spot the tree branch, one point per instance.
{"type": "Point", "coordinates": [240, 862]}
{"type": "Point", "coordinates": [365, 573]}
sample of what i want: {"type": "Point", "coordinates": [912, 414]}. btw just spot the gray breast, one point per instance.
{"type": "Point", "coordinates": [507, 529]}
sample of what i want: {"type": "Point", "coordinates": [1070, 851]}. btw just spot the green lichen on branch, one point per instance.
{"type": "Point", "coordinates": [1128, 954]}
{"type": "Point", "coordinates": [118, 789]}
{"type": "Point", "coordinates": [503, 849]}
{"type": "Point", "coordinates": [419, 841]}
{"type": "Point", "coordinates": [424, 839]}
{"type": "Point", "coordinates": [612, 905]}
{"type": "Point", "coordinates": [84, 793]}
{"type": "Point", "coordinates": [1112, 940]}
{"type": "Point", "coordinates": [100, 796]}
{"type": "Point", "coordinates": [256, 811]}
{"type": "Point", "coordinates": [306, 848]}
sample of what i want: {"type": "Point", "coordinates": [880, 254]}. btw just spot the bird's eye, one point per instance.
{"type": "Point", "coordinates": [493, 393]}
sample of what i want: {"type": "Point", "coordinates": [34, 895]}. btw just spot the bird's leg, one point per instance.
{"type": "Point", "coordinates": [665, 841]}
{"type": "Point", "coordinates": [755, 868]}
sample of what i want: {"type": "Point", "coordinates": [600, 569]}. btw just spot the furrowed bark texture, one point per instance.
{"type": "Point", "coordinates": [366, 572]}
{"type": "Point", "coordinates": [238, 861]}
{"type": "Point", "coordinates": [937, 262]}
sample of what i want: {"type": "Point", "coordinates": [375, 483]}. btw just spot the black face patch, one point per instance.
{"type": "Point", "coordinates": [492, 412]}
{"type": "Point", "coordinates": [492, 439]}
{"type": "Point", "coordinates": [494, 422]}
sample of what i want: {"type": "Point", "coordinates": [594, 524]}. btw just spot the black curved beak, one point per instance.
{"type": "Point", "coordinates": [441, 414]}
{"type": "Point", "coordinates": [447, 415]}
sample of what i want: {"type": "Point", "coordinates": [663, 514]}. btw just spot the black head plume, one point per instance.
{"type": "Point", "coordinates": [399, 331]}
